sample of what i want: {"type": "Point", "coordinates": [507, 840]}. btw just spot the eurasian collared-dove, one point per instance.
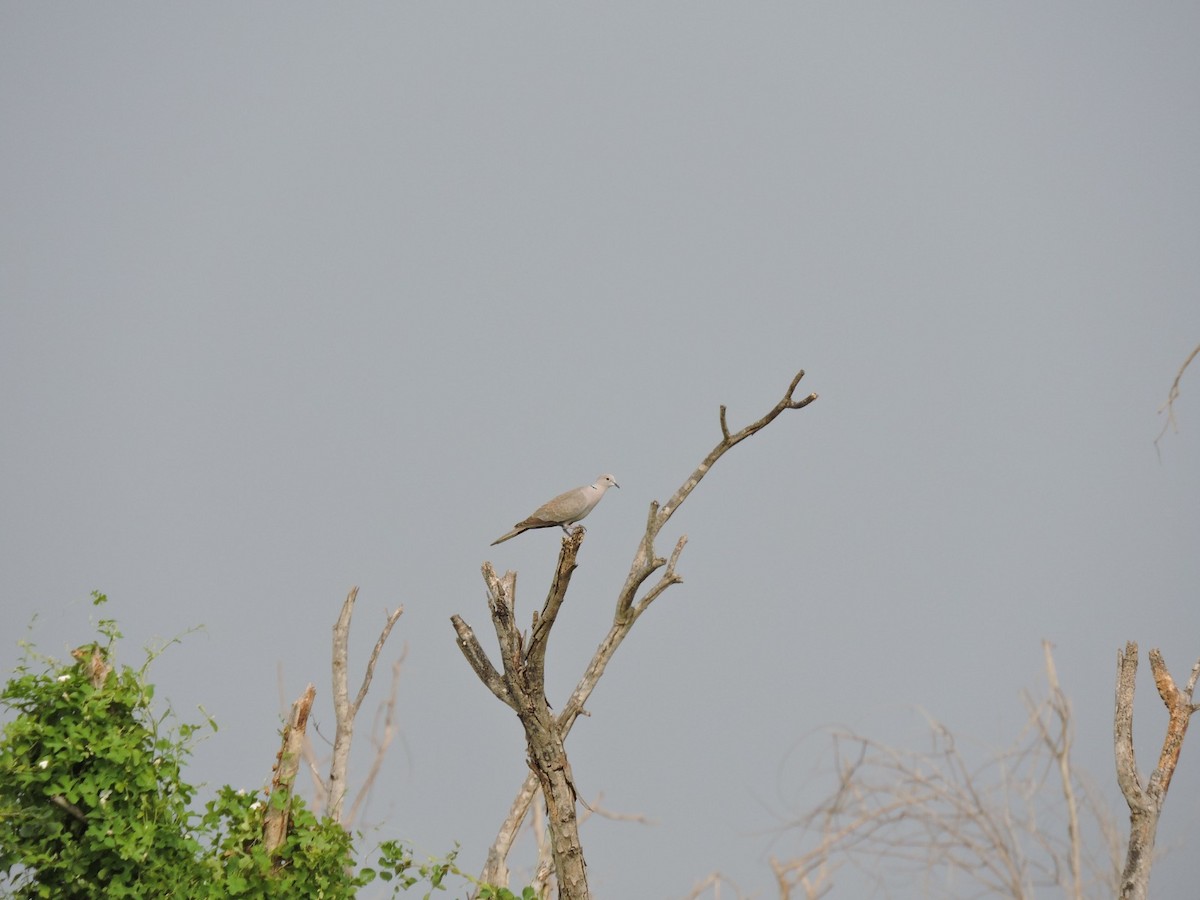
{"type": "Point", "coordinates": [565, 509]}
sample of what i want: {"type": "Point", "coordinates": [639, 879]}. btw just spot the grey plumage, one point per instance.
{"type": "Point", "coordinates": [565, 509]}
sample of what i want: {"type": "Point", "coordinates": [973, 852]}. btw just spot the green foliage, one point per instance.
{"type": "Point", "coordinates": [487, 892]}
{"type": "Point", "coordinates": [90, 795]}
{"type": "Point", "coordinates": [93, 803]}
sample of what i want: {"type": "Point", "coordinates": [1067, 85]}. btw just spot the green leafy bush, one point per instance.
{"type": "Point", "coordinates": [93, 803]}
{"type": "Point", "coordinates": [91, 798]}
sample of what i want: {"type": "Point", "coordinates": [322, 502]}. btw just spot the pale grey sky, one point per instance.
{"type": "Point", "coordinates": [298, 296]}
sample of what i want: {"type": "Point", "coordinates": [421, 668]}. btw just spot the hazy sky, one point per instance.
{"type": "Point", "coordinates": [295, 297]}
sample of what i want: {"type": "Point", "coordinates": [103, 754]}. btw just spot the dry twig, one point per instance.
{"type": "Point", "coordinates": [1172, 396]}
{"type": "Point", "coordinates": [933, 815]}
{"type": "Point", "coordinates": [714, 882]}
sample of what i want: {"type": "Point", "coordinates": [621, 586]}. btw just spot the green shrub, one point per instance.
{"type": "Point", "coordinates": [93, 803]}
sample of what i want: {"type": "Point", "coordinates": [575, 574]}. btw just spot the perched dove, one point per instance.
{"type": "Point", "coordinates": [565, 509]}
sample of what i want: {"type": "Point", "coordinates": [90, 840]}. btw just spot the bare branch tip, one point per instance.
{"type": "Point", "coordinates": [680, 544]}
{"type": "Point", "coordinates": [800, 404]}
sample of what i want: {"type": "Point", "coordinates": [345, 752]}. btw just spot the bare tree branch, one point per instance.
{"type": "Point", "coordinates": [597, 808]}
{"type": "Point", "coordinates": [1172, 396]}
{"type": "Point", "coordinates": [380, 743]}
{"type": "Point", "coordinates": [344, 710]}
{"type": "Point", "coordinates": [713, 882]}
{"type": "Point", "coordinates": [1145, 799]}
{"type": "Point", "coordinates": [476, 656]}
{"type": "Point", "coordinates": [1057, 737]}
{"type": "Point", "coordinates": [933, 816]}
{"type": "Point", "coordinates": [544, 871]}
{"type": "Point", "coordinates": [814, 877]}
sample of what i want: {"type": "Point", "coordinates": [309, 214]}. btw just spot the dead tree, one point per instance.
{"type": "Point", "coordinates": [896, 813]}
{"type": "Point", "coordinates": [1146, 800]}
{"type": "Point", "coordinates": [331, 793]}
{"type": "Point", "coordinates": [521, 684]}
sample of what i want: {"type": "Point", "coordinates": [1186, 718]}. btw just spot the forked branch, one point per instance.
{"type": "Point", "coordinates": [520, 683]}
{"type": "Point", "coordinates": [1146, 799]}
{"type": "Point", "coordinates": [344, 709]}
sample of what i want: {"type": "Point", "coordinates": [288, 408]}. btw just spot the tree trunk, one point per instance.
{"type": "Point", "coordinates": [548, 759]}
{"type": "Point", "coordinates": [522, 686]}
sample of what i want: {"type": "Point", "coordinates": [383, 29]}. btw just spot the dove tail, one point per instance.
{"type": "Point", "coordinates": [508, 537]}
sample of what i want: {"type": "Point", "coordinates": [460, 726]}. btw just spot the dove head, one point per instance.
{"type": "Point", "coordinates": [604, 482]}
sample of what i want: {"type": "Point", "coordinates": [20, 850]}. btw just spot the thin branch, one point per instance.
{"type": "Point", "coordinates": [597, 808]}
{"type": "Point", "coordinates": [1191, 682]}
{"type": "Point", "coordinates": [535, 653]}
{"type": "Point", "coordinates": [1060, 750]}
{"type": "Point", "coordinates": [931, 813]}
{"type": "Point", "coordinates": [668, 578]}
{"type": "Point", "coordinates": [729, 441]}
{"type": "Point", "coordinates": [477, 657]}
{"type": "Point", "coordinates": [389, 623]}
{"type": "Point", "coordinates": [814, 876]}
{"type": "Point", "coordinates": [1128, 778]}
{"type": "Point", "coordinates": [713, 882]}
{"type": "Point", "coordinates": [381, 744]}
{"type": "Point", "coordinates": [1179, 709]}
{"type": "Point", "coordinates": [344, 710]}
{"type": "Point", "coordinates": [501, 603]}
{"type": "Point", "coordinates": [1172, 396]}
{"type": "Point", "coordinates": [544, 871]}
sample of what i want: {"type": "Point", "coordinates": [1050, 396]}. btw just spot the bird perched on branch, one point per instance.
{"type": "Point", "coordinates": [565, 509]}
